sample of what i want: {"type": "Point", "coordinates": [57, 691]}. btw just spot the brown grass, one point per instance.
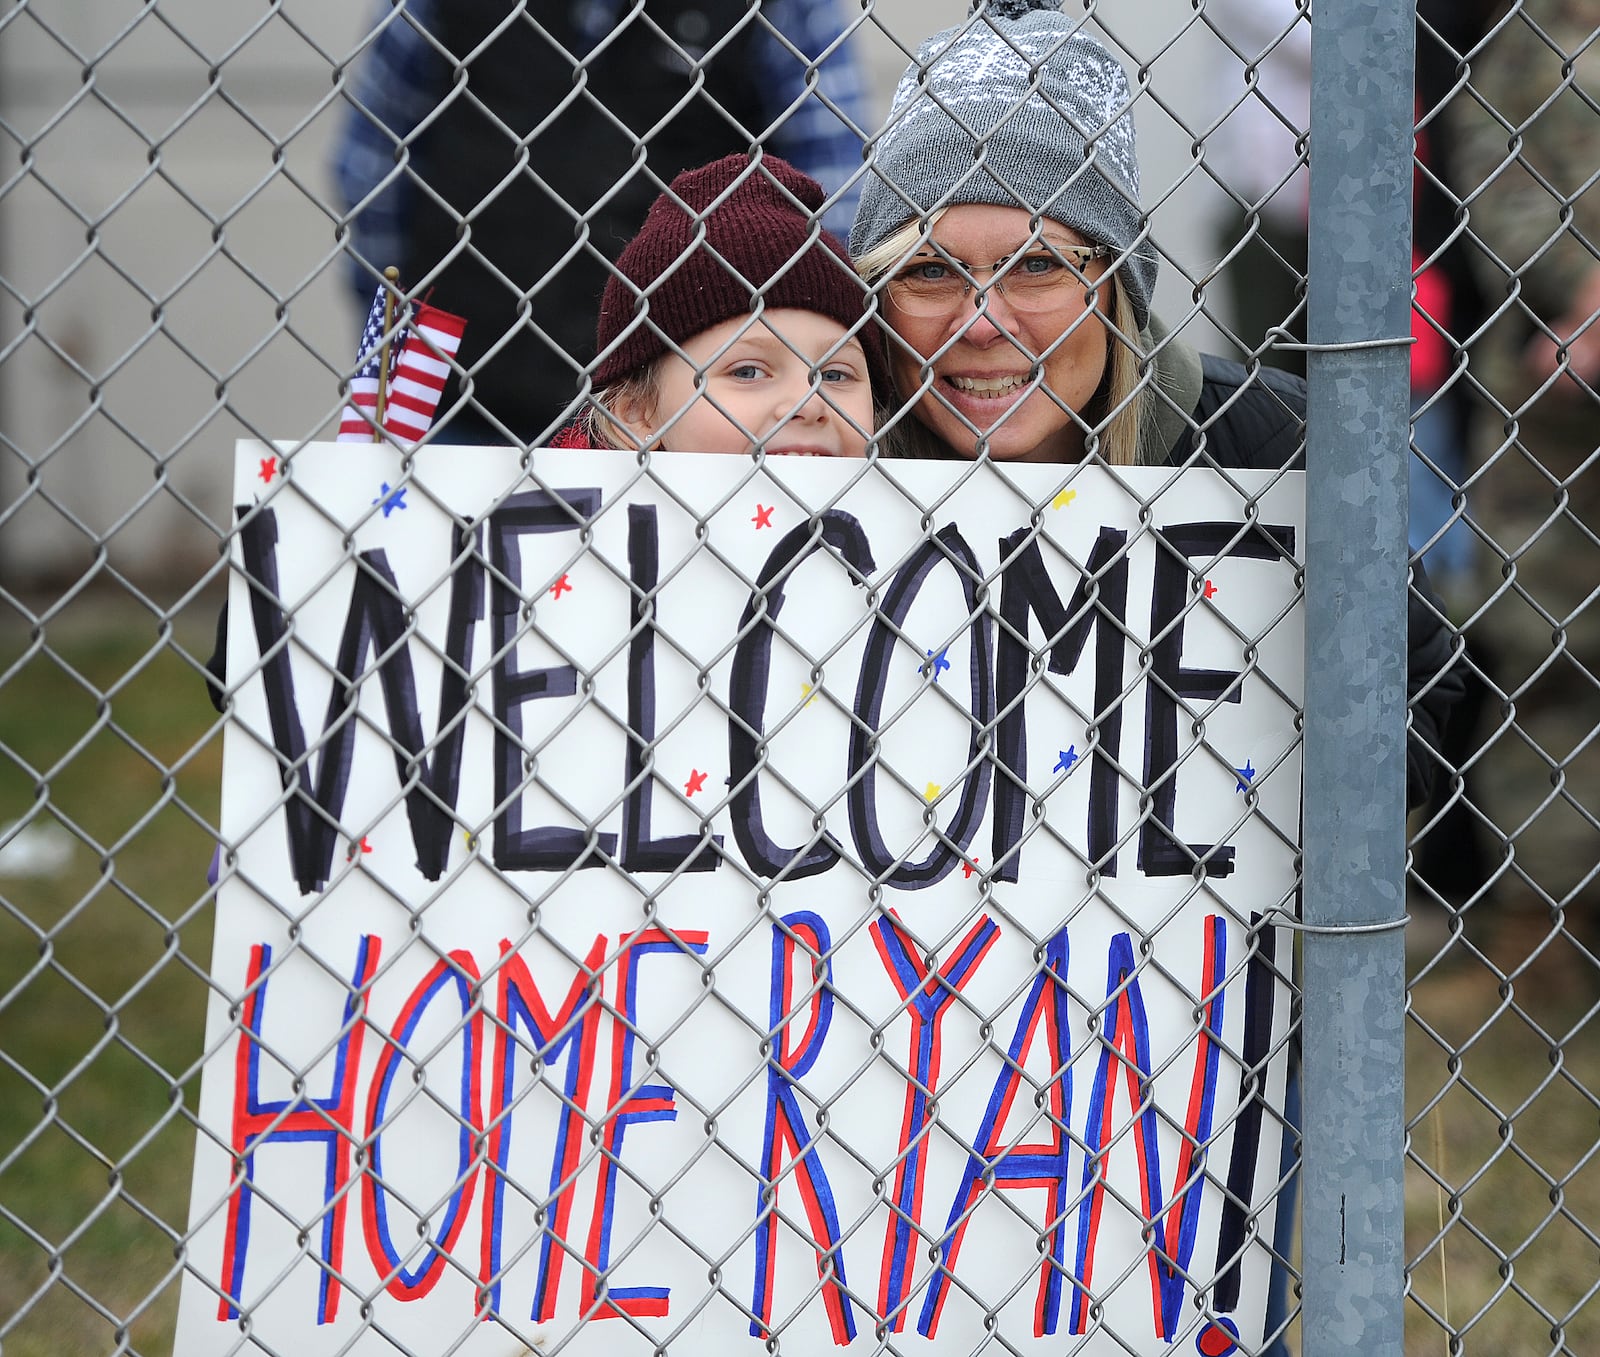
{"type": "Point", "coordinates": [1503, 1088]}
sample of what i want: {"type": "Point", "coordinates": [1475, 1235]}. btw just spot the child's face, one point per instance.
{"type": "Point", "coordinates": [760, 387]}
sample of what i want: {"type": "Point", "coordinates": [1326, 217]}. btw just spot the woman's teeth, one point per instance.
{"type": "Point", "coordinates": [988, 386]}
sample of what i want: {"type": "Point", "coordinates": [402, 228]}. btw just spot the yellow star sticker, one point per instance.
{"type": "Point", "coordinates": [809, 693]}
{"type": "Point", "coordinates": [1063, 499]}
{"type": "Point", "coordinates": [933, 791]}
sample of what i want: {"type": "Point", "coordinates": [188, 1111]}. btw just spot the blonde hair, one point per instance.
{"type": "Point", "coordinates": [1116, 415]}
{"type": "Point", "coordinates": [603, 418]}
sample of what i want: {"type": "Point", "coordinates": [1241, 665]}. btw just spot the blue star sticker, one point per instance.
{"type": "Point", "coordinates": [940, 663]}
{"type": "Point", "coordinates": [1246, 774]}
{"type": "Point", "coordinates": [1069, 756]}
{"type": "Point", "coordinates": [391, 499]}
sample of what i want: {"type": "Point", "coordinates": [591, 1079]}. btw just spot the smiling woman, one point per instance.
{"type": "Point", "coordinates": [1014, 359]}
{"type": "Point", "coordinates": [1000, 227]}
{"type": "Point", "coordinates": [1010, 150]}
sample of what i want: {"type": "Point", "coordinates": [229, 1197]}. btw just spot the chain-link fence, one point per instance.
{"type": "Point", "coordinates": [887, 1109]}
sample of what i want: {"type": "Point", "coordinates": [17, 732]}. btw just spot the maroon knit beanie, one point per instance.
{"type": "Point", "coordinates": [757, 218]}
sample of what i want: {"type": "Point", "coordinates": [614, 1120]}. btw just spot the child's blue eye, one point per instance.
{"type": "Point", "coordinates": [837, 375]}
{"type": "Point", "coordinates": [745, 372]}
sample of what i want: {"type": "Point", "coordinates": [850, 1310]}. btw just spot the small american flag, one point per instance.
{"type": "Point", "coordinates": [421, 371]}
{"type": "Point", "coordinates": [420, 352]}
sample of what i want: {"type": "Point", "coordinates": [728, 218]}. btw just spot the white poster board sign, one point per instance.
{"type": "Point", "coordinates": [724, 909]}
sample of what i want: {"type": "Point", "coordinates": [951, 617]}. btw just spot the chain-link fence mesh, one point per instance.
{"type": "Point", "coordinates": [196, 205]}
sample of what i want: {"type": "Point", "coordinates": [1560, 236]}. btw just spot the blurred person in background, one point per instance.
{"type": "Point", "coordinates": [1447, 305]}
{"type": "Point", "coordinates": [499, 156]}
{"type": "Point", "coordinates": [1527, 147]}
{"type": "Point", "coordinates": [1451, 853]}
{"type": "Point", "coordinates": [1258, 155]}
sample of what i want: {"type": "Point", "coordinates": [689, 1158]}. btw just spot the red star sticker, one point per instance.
{"type": "Point", "coordinates": [269, 469]}
{"type": "Point", "coordinates": [763, 518]}
{"type": "Point", "coordinates": [562, 586]}
{"type": "Point", "coordinates": [363, 846]}
{"type": "Point", "coordinates": [968, 868]}
{"type": "Point", "coordinates": [696, 782]}
{"type": "Point", "coordinates": [1210, 590]}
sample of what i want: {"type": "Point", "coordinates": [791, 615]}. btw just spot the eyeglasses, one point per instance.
{"type": "Point", "coordinates": [934, 285]}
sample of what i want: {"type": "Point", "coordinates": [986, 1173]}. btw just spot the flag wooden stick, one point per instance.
{"type": "Point", "coordinates": [391, 276]}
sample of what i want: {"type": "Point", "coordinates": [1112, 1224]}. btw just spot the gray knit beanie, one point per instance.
{"type": "Point", "coordinates": [1018, 108]}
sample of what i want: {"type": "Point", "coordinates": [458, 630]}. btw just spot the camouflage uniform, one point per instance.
{"type": "Point", "coordinates": [1535, 491]}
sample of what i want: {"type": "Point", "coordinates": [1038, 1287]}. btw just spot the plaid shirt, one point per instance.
{"type": "Point", "coordinates": [398, 81]}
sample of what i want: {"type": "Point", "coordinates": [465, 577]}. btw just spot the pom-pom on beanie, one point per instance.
{"type": "Point", "coordinates": [716, 239]}
{"type": "Point", "coordinates": [1014, 107]}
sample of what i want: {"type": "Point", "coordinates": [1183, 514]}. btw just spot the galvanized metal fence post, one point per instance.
{"type": "Point", "coordinates": [1358, 322]}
